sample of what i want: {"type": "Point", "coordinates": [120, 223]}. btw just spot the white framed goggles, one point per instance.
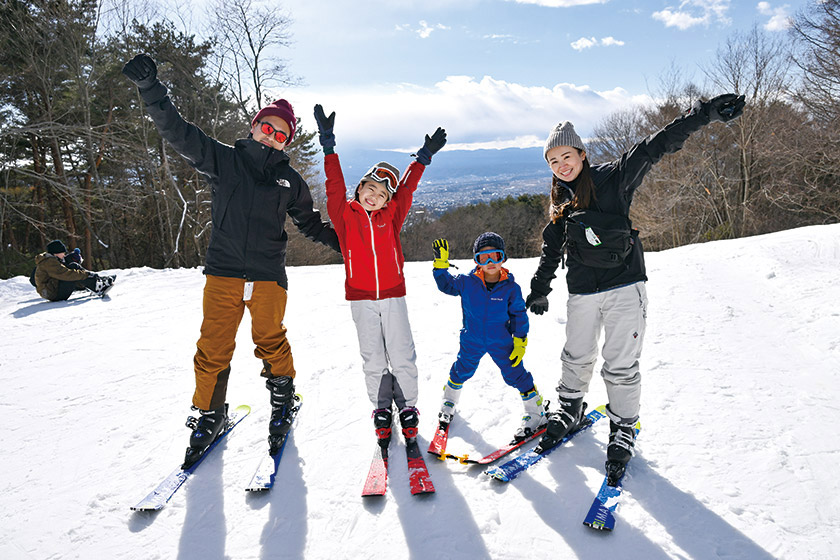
{"type": "Point", "coordinates": [384, 175]}
{"type": "Point", "coordinates": [490, 256]}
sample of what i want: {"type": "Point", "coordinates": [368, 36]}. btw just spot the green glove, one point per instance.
{"type": "Point", "coordinates": [441, 248]}
{"type": "Point", "coordinates": [518, 353]}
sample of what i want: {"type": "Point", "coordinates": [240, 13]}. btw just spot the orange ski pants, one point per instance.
{"type": "Point", "coordinates": [225, 300]}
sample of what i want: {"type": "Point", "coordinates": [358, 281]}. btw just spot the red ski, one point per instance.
{"type": "Point", "coordinates": [498, 454]}
{"type": "Point", "coordinates": [418, 474]}
{"type": "Point", "coordinates": [438, 444]}
{"type": "Point", "coordinates": [377, 478]}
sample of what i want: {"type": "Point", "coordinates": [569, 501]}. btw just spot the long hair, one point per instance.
{"type": "Point", "coordinates": [584, 193]}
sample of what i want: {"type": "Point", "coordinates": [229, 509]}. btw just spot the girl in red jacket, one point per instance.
{"type": "Point", "coordinates": [368, 227]}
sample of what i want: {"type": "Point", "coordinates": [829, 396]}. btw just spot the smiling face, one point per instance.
{"type": "Point", "coordinates": [270, 140]}
{"type": "Point", "coordinates": [565, 162]}
{"type": "Point", "coordinates": [372, 196]}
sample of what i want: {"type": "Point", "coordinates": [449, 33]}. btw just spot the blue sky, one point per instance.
{"type": "Point", "coordinates": [498, 73]}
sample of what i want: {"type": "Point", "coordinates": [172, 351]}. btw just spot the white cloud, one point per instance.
{"type": "Point", "coordinates": [475, 112]}
{"type": "Point", "coordinates": [424, 29]}
{"type": "Point", "coordinates": [584, 43]}
{"type": "Point", "coordinates": [589, 42]}
{"type": "Point", "coordinates": [779, 17]}
{"type": "Point", "coordinates": [691, 13]}
{"type": "Point", "coordinates": [560, 3]}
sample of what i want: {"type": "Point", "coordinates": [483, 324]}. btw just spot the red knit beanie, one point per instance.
{"type": "Point", "coordinates": [280, 108]}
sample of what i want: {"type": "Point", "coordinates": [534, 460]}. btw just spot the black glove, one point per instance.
{"type": "Point", "coordinates": [431, 146]}
{"type": "Point", "coordinates": [325, 128]}
{"type": "Point", "coordinates": [536, 303]}
{"type": "Point", "coordinates": [723, 108]}
{"type": "Point", "coordinates": [141, 70]}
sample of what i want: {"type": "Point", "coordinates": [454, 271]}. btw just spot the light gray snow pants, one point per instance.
{"type": "Point", "coordinates": [622, 312]}
{"type": "Point", "coordinates": [387, 350]}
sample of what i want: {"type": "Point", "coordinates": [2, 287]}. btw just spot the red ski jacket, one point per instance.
{"type": "Point", "coordinates": [370, 243]}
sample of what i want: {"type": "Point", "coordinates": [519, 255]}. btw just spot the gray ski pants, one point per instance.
{"type": "Point", "coordinates": [622, 313]}
{"type": "Point", "coordinates": [387, 350]}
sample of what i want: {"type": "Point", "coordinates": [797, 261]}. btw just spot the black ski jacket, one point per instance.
{"type": "Point", "coordinates": [253, 187]}
{"type": "Point", "coordinates": [615, 183]}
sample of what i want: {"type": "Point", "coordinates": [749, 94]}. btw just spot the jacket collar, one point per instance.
{"type": "Point", "coordinates": [480, 274]}
{"type": "Point", "coordinates": [260, 156]}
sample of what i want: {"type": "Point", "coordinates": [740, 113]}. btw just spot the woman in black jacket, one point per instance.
{"type": "Point", "coordinates": [590, 232]}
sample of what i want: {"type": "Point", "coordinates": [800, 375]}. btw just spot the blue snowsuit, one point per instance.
{"type": "Point", "coordinates": [491, 319]}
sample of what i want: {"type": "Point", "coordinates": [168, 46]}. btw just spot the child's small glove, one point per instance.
{"type": "Point", "coordinates": [441, 249]}
{"type": "Point", "coordinates": [431, 145]}
{"type": "Point", "coordinates": [326, 136]}
{"type": "Point", "coordinates": [519, 345]}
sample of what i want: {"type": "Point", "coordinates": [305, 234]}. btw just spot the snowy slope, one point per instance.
{"type": "Point", "coordinates": [737, 457]}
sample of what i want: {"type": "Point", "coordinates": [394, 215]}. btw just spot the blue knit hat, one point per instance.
{"type": "Point", "coordinates": [488, 239]}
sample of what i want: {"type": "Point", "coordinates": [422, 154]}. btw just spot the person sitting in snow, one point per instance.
{"type": "Point", "coordinates": [56, 278]}
{"type": "Point", "coordinates": [495, 322]}
{"type": "Point", "coordinates": [368, 227]}
{"type": "Point", "coordinates": [254, 188]}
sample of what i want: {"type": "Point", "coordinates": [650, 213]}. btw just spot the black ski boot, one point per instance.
{"type": "Point", "coordinates": [282, 390]}
{"type": "Point", "coordinates": [205, 430]}
{"type": "Point", "coordinates": [619, 450]}
{"type": "Point", "coordinates": [382, 420]}
{"type": "Point", "coordinates": [409, 420]}
{"type": "Point", "coordinates": [562, 422]}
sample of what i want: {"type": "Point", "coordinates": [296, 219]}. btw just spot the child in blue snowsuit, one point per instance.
{"type": "Point", "coordinates": [495, 323]}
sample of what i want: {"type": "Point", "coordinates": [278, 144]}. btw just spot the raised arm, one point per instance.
{"type": "Point", "coordinates": [202, 152]}
{"type": "Point", "coordinates": [411, 178]}
{"type": "Point", "coordinates": [634, 164]}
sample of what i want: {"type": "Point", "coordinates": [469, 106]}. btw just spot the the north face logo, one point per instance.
{"type": "Point", "coordinates": [283, 183]}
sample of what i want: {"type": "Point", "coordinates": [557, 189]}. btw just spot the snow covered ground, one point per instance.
{"type": "Point", "coordinates": [737, 457]}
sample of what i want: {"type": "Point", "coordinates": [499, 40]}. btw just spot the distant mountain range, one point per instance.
{"type": "Point", "coordinates": [460, 177]}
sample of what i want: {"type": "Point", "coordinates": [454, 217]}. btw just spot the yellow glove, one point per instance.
{"type": "Point", "coordinates": [519, 345]}
{"type": "Point", "coordinates": [441, 248]}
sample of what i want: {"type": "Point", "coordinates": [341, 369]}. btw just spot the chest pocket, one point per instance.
{"type": "Point", "coordinates": [598, 239]}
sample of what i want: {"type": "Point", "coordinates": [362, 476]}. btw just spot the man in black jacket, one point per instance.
{"type": "Point", "coordinates": [254, 187]}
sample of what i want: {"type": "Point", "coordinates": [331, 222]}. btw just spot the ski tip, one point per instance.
{"type": "Point", "coordinates": [242, 409]}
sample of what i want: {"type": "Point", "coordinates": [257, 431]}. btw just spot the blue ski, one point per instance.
{"type": "Point", "coordinates": [263, 478]}
{"type": "Point", "coordinates": [601, 514]}
{"type": "Point", "coordinates": [513, 468]}
{"type": "Point", "coordinates": [161, 495]}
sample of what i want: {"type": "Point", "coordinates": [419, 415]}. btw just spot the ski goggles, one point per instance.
{"type": "Point", "coordinates": [383, 175]}
{"type": "Point", "coordinates": [268, 130]}
{"type": "Point", "coordinates": [490, 256]}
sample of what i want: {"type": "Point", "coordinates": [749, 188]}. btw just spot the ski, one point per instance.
{"type": "Point", "coordinates": [601, 514]}
{"type": "Point", "coordinates": [164, 491]}
{"type": "Point", "coordinates": [437, 446]}
{"type": "Point", "coordinates": [514, 467]}
{"type": "Point", "coordinates": [377, 479]}
{"type": "Point", "coordinates": [418, 475]}
{"type": "Point", "coordinates": [266, 472]}
{"type": "Point", "coordinates": [497, 454]}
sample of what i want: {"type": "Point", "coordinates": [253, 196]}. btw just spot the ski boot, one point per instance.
{"type": "Point", "coordinates": [451, 394]}
{"type": "Point", "coordinates": [382, 420]}
{"type": "Point", "coordinates": [621, 447]}
{"type": "Point", "coordinates": [535, 415]}
{"type": "Point", "coordinates": [409, 420]}
{"type": "Point", "coordinates": [205, 430]}
{"type": "Point", "coordinates": [562, 422]}
{"type": "Point", "coordinates": [102, 284]}
{"type": "Point", "coordinates": [282, 390]}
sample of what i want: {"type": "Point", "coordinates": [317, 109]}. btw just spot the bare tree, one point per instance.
{"type": "Point", "coordinates": [248, 39]}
